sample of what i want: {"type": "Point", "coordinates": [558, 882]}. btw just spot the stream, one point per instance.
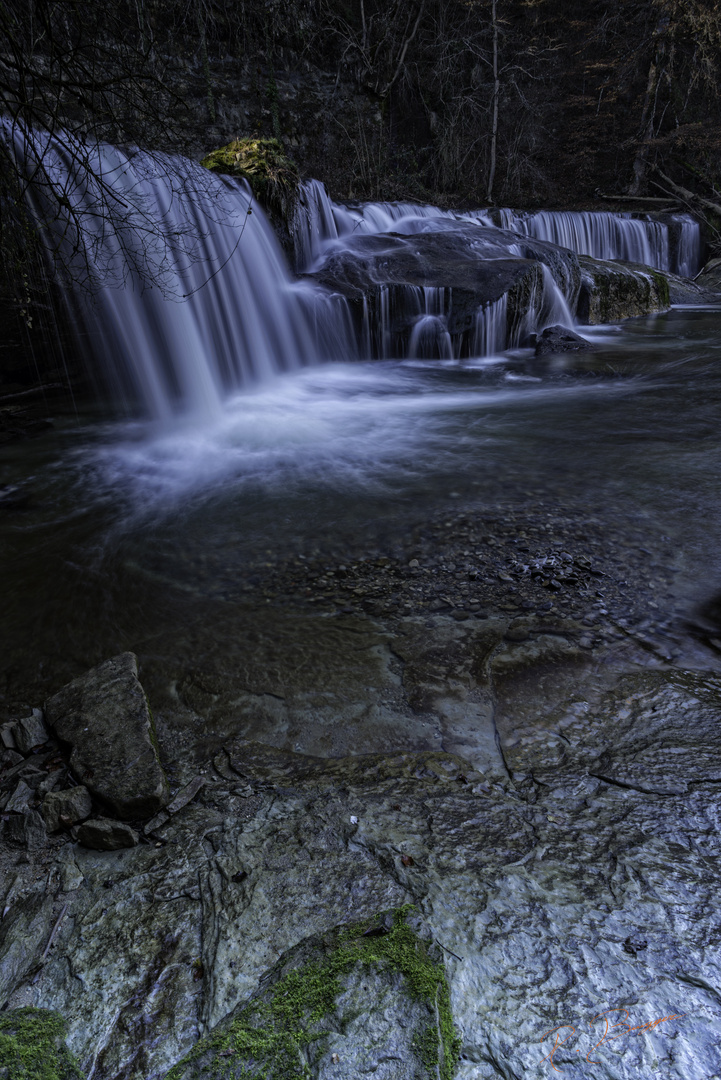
{"type": "Point", "coordinates": [423, 618]}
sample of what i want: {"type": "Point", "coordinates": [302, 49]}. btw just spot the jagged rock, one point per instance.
{"type": "Point", "coordinates": [71, 877]}
{"type": "Point", "coordinates": [555, 339]}
{"type": "Point", "coordinates": [20, 800]}
{"type": "Point", "coordinates": [30, 732]}
{"type": "Point", "coordinates": [105, 717]}
{"type": "Point", "coordinates": [6, 736]}
{"type": "Point", "coordinates": [102, 834]}
{"type": "Point", "coordinates": [532, 892]}
{"type": "Point", "coordinates": [22, 934]}
{"type": "Point", "coordinates": [365, 996]}
{"type": "Point", "coordinates": [26, 829]}
{"type": "Point", "coordinates": [65, 808]}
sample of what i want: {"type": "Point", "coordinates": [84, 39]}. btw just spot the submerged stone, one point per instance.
{"type": "Point", "coordinates": [555, 339]}
{"type": "Point", "coordinates": [105, 717]}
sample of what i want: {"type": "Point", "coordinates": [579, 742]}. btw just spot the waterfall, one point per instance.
{"type": "Point", "coordinates": [188, 294]}
{"type": "Point", "coordinates": [671, 243]}
{"type": "Point", "coordinates": [189, 297]}
{"type": "Point", "coordinates": [606, 235]}
{"type": "Point", "coordinates": [490, 331]}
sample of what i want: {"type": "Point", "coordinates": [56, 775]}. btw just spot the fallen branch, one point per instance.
{"type": "Point", "coordinates": [637, 198]}
{"type": "Point", "coordinates": [689, 197]}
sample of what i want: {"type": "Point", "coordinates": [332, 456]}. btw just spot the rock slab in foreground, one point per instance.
{"type": "Point", "coordinates": [367, 999]}
{"type": "Point", "coordinates": [104, 716]}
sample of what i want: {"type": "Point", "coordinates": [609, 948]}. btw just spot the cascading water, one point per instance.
{"type": "Point", "coordinates": [189, 296]}
{"type": "Point", "coordinates": [192, 299]}
{"type": "Point", "coordinates": [601, 234]}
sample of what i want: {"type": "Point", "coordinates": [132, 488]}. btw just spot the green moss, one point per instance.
{"type": "Point", "coordinates": [664, 294]}
{"type": "Point", "coordinates": [273, 1033]}
{"type": "Point", "coordinates": [32, 1046]}
{"type": "Point", "coordinates": [273, 177]}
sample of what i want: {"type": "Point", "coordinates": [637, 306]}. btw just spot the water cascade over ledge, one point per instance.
{"type": "Point", "coordinates": [189, 297]}
{"type": "Point", "coordinates": [186, 294]}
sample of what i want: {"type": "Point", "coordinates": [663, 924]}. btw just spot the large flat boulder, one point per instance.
{"type": "Point", "coordinates": [454, 270]}
{"type": "Point", "coordinates": [105, 718]}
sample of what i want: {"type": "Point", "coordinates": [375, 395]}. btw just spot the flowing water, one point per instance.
{"type": "Point", "coordinates": [267, 438]}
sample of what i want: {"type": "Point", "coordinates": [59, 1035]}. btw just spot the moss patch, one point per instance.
{"type": "Point", "coordinates": [268, 1036]}
{"type": "Point", "coordinates": [32, 1046]}
{"type": "Point", "coordinates": [664, 296]}
{"type": "Point", "coordinates": [273, 177]}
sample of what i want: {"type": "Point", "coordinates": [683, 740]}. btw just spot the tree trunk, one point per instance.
{"type": "Point", "coordinates": [648, 114]}
{"type": "Point", "coordinates": [496, 95]}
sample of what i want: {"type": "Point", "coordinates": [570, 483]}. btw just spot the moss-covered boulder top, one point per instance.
{"type": "Point", "coordinates": [344, 1003]}
{"type": "Point", "coordinates": [32, 1047]}
{"type": "Point", "coordinates": [273, 176]}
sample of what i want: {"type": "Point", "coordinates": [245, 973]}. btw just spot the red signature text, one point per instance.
{"type": "Point", "coordinates": [568, 1031]}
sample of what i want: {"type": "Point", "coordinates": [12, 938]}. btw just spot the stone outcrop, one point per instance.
{"type": "Point", "coordinates": [346, 1003]}
{"type": "Point", "coordinates": [23, 932]}
{"type": "Point", "coordinates": [611, 291]}
{"type": "Point", "coordinates": [103, 834]}
{"type": "Point", "coordinates": [710, 276]}
{"type": "Point", "coordinates": [61, 809]}
{"type": "Point", "coordinates": [105, 718]}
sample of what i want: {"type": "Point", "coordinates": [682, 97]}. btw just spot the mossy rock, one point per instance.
{"type": "Point", "coordinates": [349, 1002]}
{"type": "Point", "coordinates": [32, 1047]}
{"type": "Point", "coordinates": [273, 177]}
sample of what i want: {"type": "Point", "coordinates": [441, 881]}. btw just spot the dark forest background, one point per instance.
{"type": "Point", "coordinates": [522, 102]}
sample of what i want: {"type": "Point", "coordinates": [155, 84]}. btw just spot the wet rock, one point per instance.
{"type": "Point", "coordinates": [366, 996]}
{"type": "Point", "coordinates": [26, 829]}
{"type": "Point", "coordinates": [23, 932]}
{"type": "Point", "coordinates": [103, 834]}
{"type": "Point", "coordinates": [186, 794]}
{"type": "Point", "coordinates": [32, 1044]}
{"type": "Point", "coordinates": [7, 738]}
{"type": "Point", "coordinates": [21, 799]}
{"type": "Point", "coordinates": [710, 276]}
{"type": "Point", "coordinates": [105, 717]}
{"type": "Point", "coordinates": [71, 876]}
{"type": "Point", "coordinates": [556, 339]}
{"type": "Point", "coordinates": [61, 809]}
{"type": "Point", "coordinates": [30, 732]}
{"type": "Point", "coordinates": [475, 266]}
{"type": "Point", "coordinates": [611, 291]}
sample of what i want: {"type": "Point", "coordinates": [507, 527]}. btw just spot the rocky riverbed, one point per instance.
{"type": "Point", "coordinates": [554, 825]}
